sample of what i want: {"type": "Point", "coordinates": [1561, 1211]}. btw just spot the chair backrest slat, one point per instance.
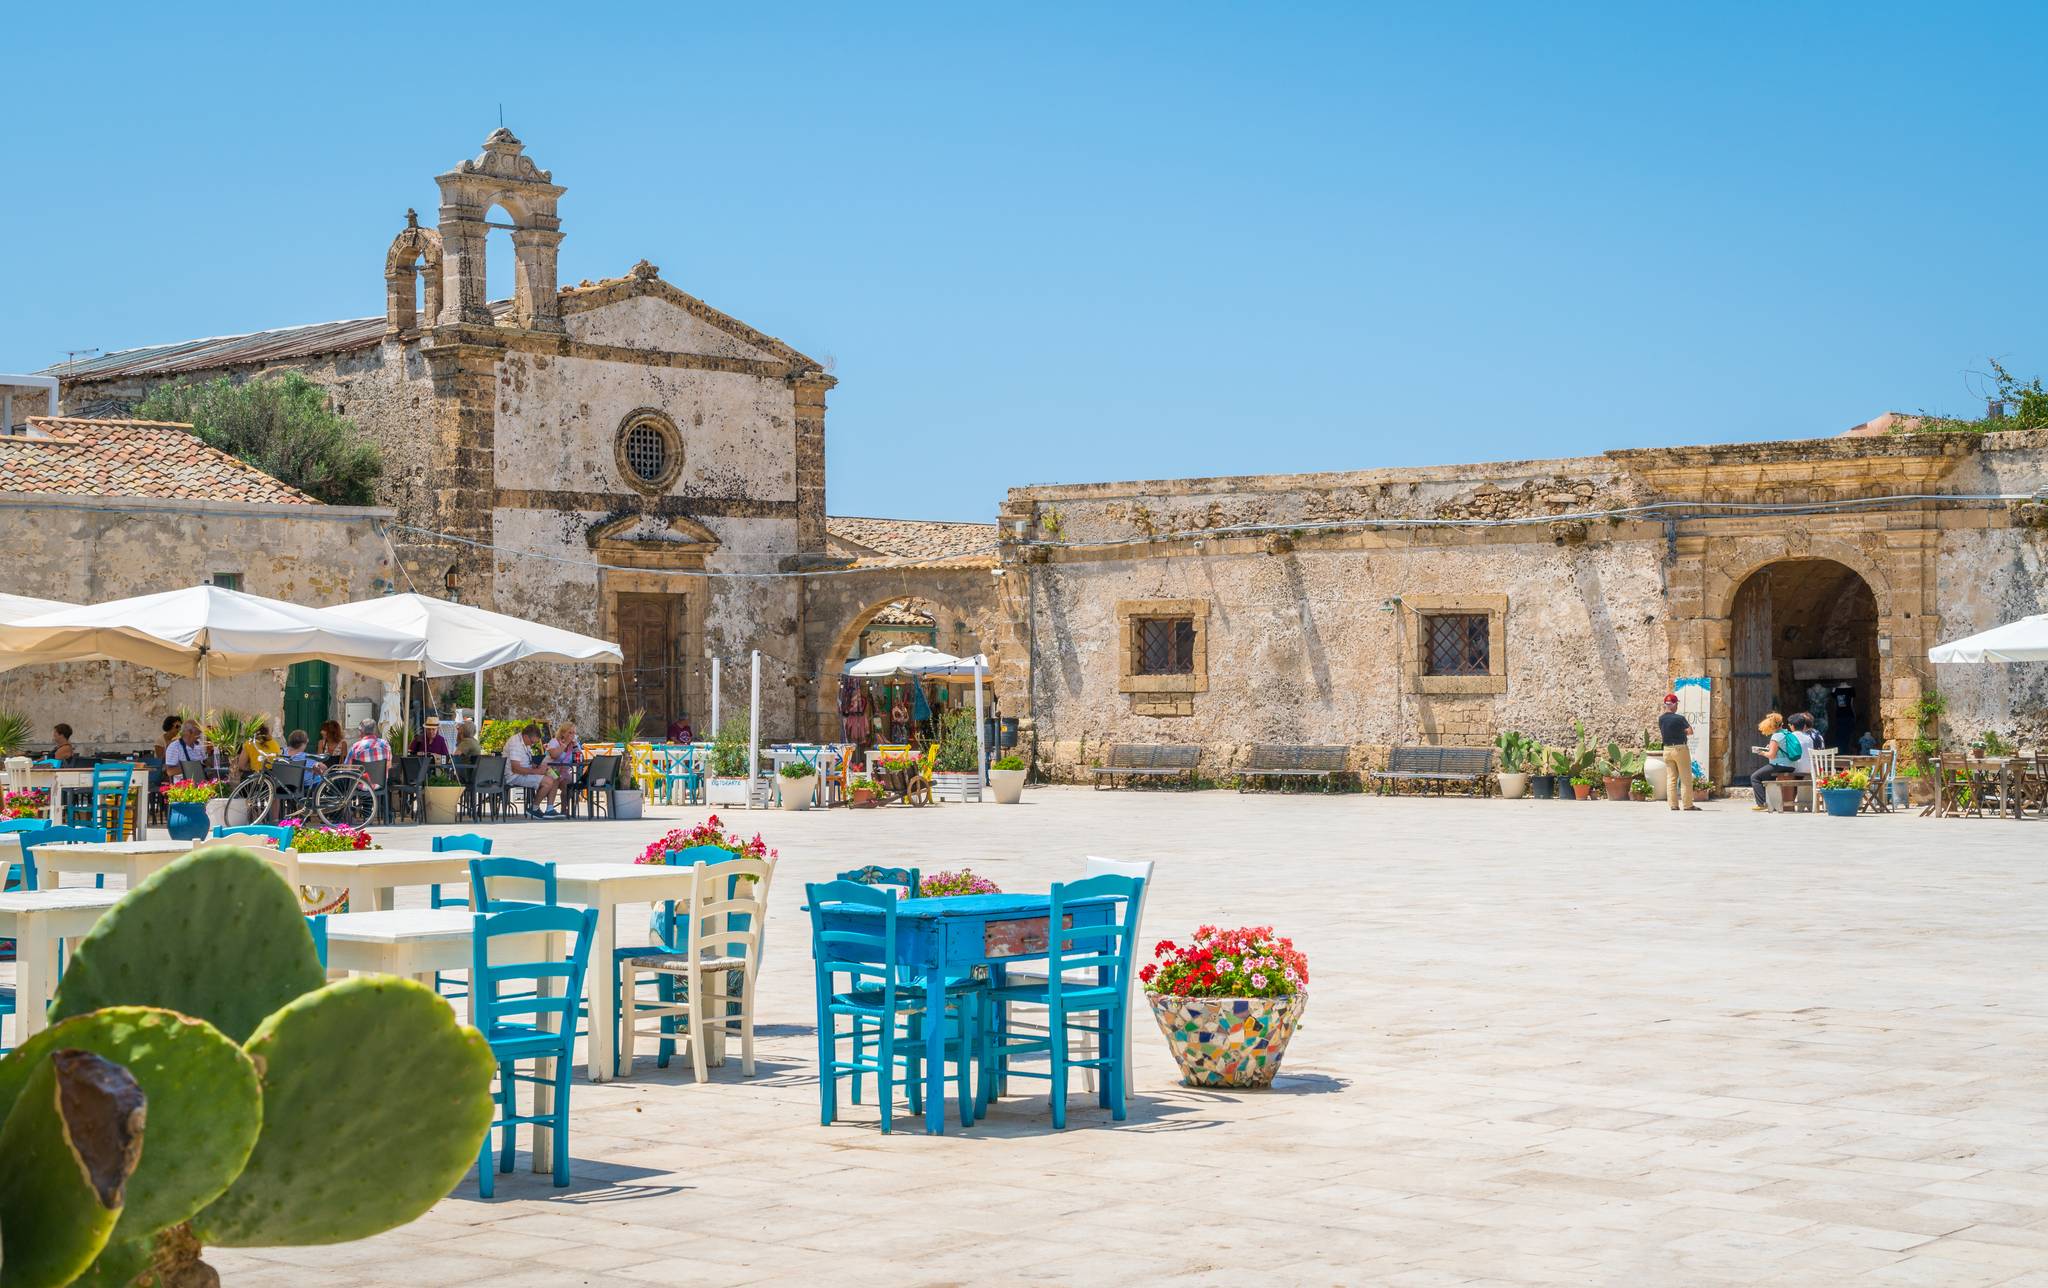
{"type": "Point", "coordinates": [488, 878]}
{"type": "Point", "coordinates": [489, 1009]}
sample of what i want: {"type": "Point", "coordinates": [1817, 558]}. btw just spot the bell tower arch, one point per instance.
{"type": "Point", "coordinates": [504, 176]}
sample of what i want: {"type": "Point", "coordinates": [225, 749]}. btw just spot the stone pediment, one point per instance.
{"type": "Point", "coordinates": [1822, 469]}
{"type": "Point", "coordinates": [653, 541]}
{"type": "Point", "coordinates": [639, 310]}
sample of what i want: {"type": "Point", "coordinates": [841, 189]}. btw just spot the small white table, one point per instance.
{"type": "Point", "coordinates": [37, 921]}
{"type": "Point", "coordinates": [131, 860]}
{"type": "Point", "coordinates": [420, 941]}
{"type": "Point", "coordinates": [604, 886]}
{"type": "Point", "coordinates": [370, 876]}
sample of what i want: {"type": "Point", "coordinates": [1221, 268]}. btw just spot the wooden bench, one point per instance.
{"type": "Point", "coordinates": [1437, 767]}
{"type": "Point", "coordinates": [1803, 795]}
{"type": "Point", "coordinates": [1274, 760]}
{"type": "Point", "coordinates": [1133, 760]}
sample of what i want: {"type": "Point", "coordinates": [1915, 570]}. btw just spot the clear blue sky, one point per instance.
{"type": "Point", "coordinates": [1108, 241]}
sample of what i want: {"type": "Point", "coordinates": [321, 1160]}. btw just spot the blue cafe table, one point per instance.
{"type": "Point", "coordinates": [945, 938]}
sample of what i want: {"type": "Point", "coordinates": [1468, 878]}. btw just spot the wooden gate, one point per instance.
{"type": "Point", "coordinates": [1752, 676]}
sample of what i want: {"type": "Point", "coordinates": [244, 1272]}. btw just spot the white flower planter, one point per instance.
{"type": "Point", "coordinates": [438, 803]}
{"type": "Point", "coordinates": [1513, 786]}
{"type": "Point", "coordinates": [725, 791]}
{"type": "Point", "coordinates": [628, 802]}
{"type": "Point", "coordinates": [797, 793]}
{"type": "Point", "coordinates": [216, 813]}
{"type": "Point", "coordinates": [238, 813]}
{"type": "Point", "coordinates": [1654, 769]}
{"type": "Point", "coordinates": [952, 786]}
{"type": "Point", "coordinates": [1007, 784]}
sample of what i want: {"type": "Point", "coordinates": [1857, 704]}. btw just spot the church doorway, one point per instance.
{"type": "Point", "coordinates": [1804, 638]}
{"type": "Point", "coordinates": [654, 678]}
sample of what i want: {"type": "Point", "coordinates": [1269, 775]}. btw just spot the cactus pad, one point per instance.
{"type": "Point", "coordinates": [205, 1105]}
{"type": "Point", "coordinates": [216, 935]}
{"type": "Point", "coordinates": [70, 1142]}
{"type": "Point", "coordinates": [374, 1104]}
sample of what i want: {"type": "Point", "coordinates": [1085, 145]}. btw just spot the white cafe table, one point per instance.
{"type": "Point", "coordinates": [54, 781]}
{"type": "Point", "coordinates": [37, 921]}
{"type": "Point", "coordinates": [370, 876]}
{"type": "Point", "coordinates": [604, 886]}
{"type": "Point", "coordinates": [132, 860]}
{"type": "Point", "coordinates": [417, 942]}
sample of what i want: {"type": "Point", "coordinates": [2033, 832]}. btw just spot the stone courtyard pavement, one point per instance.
{"type": "Point", "coordinates": [1584, 1044]}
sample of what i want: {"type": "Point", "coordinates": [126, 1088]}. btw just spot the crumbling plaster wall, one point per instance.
{"type": "Point", "coordinates": [92, 549]}
{"type": "Point", "coordinates": [1304, 646]}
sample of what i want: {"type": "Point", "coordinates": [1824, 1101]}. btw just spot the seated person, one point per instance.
{"type": "Point", "coordinates": [63, 750]}
{"type": "Point", "coordinates": [679, 731]}
{"type": "Point", "coordinates": [295, 753]}
{"type": "Point", "coordinates": [431, 741]}
{"type": "Point", "coordinates": [185, 757]}
{"type": "Point", "coordinates": [169, 735]}
{"type": "Point", "coordinates": [465, 740]}
{"type": "Point", "coordinates": [332, 745]}
{"type": "Point", "coordinates": [538, 782]}
{"type": "Point", "coordinates": [258, 751]}
{"type": "Point", "coordinates": [565, 751]}
{"type": "Point", "coordinates": [368, 747]}
{"type": "Point", "coordinates": [1784, 749]}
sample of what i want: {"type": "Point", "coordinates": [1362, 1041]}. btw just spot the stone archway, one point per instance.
{"type": "Point", "coordinates": [965, 618]}
{"type": "Point", "coordinates": [1804, 637]}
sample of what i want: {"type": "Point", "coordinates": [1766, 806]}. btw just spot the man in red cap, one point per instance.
{"type": "Point", "coordinates": [1673, 730]}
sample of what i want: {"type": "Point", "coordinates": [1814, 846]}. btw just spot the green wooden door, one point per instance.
{"type": "Point", "coordinates": [306, 697]}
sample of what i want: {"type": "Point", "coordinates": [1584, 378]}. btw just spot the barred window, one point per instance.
{"type": "Point", "coordinates": [646, 452]}
{"type": "Point", "coordinates": [1456, 644]}
{"type": "Point", "coordinates": [649, 450]}
{"type": "Point", "coordinates": [1164, 646]}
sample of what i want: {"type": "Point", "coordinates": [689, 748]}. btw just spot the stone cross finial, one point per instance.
{"type": "Point", "coordinates": [412, 217]}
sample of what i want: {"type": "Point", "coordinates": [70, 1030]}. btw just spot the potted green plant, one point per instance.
{"type": "Point", "coordinates": [629, 799]}
{"type": "Point", "coordinates": [1583, 785]}
{"type": "Point", "coordinates": [955, 775]}
{"type": "Point", "coordinates": [1618, 769]}
{"type": "Point", "coordinates": [799, 784]}
{"type": "Point", "coordinates": [1653, 763]}
{"type": "Point", "coordinates": [1543, 763]}
{"type": "Point", "coordinates": [1516, 750]}
{"type": "Point", "coordinates": [864, 792]}
{"type": "Point", "coordinates": [1639, 789]}
{"type": "Point", "coordinates": [441, 795]}
{"type": "Point", "coordinates": [1228, 1003]}
{"type": "Point", "coordinates": [1006, 779]}
{"type": "Point", "coordinates": [1842, 792]}
{"type": "Point", "coordinates": [1574, 763]}
{"type": "Point", "coordinates": [728, 782]}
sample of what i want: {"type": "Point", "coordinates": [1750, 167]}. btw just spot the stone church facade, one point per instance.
{"type": "Point", "coordinates": [645, 451]}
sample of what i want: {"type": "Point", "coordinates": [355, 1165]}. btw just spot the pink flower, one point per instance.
{"type": "Point", "coordinates": [1258, 979]}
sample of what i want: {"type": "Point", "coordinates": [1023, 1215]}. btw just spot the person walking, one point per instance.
{"type": "Point", "coordinates": [1673, 730]}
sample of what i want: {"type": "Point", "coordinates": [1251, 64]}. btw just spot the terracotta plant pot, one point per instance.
{"type": "Point", "coordinates": [863, 799]}
{"type": "Point", "coordinates": [1228, 1041]}
{"type": "Point", "coordinates": [1617, 787]}
{"type": "Point", "coordinates": [1582, 791]}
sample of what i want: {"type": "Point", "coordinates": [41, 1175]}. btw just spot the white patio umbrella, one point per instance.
{"type": "Point", "coordinates": [2025, 640]}
{"type": "Point", "coordinates": [206, 631]}
{"type": "Point", "coordinates": [461, 639]}
{"type": "Point", "coordinates": [15, 607]}
{"type": "Point", "coordinates": [911, 659]}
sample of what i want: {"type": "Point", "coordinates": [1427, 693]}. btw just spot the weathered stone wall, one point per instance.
{"type": "Point", "coordinates": [1990, 575]}
{"type": "Point", "coordinates": [88, 550]}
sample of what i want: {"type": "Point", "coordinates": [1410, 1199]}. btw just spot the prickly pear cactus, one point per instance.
{"type": "Point", "coordinates": [70, 1144]}
{"type": "Point", "coordinates": [216, 935]}
{"type": "Point", "coordinates": [375, 1102]}
{"type": "Point", "coordinates": [205, 1104]}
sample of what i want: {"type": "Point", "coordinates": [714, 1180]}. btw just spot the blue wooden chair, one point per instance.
{"type": "Point", "coordinates": [106, 802]}
{"type": "Point", "coordinates": [1105, 1002]}
{"type": "Point", "coordinates": [445, 984]}
{"type": "Point", "coordinates": [15, 875]}
{"type": "Point", "coordinates": [512, 1021]}
{"type": "Point", "coordinates": [680, 767]}
{"type": "Point", "coordinates": [53, 836]}
{"type": "Point", "coordinates": [883, 1004]}
{"type": "Point", "coordinates": [281, 837]}
{"type": "Point", "coordinates": [905, 879]}
{"type": "Point", "coordinates": [318, 926]}
{"type": "Point", "coordinates": [484, 871]}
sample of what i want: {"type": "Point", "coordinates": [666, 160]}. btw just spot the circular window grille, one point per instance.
{"type": "Point", "coordinates": [646, 453]}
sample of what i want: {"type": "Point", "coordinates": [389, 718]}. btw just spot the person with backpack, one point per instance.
{"type": "Point", "coordinates": [1784, 748]}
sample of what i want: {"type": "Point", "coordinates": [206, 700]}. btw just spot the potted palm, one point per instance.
{"type": "Point", "coordinates": [1515, 751]}
{"type": "Point", "coordinates": [1228, 1003]}
{"type": "Point", "coordinates": [441, 795]}
{"type": "Point", "coordinates": [629, 799]}
{"type": "Point", "coordinates": [728, 782]}
{"type": "Point", "coordinates": [799, 784]}
{"type": "Point", "coordinates": [1006, 779]}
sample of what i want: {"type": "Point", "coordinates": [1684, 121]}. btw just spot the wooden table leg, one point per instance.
{"type": "Point", "coordinates": [603, 1039]}
{"type": "Point", "coordinates": [35, 958]}
{"type": "Point", "coordinates": [544, 1070]}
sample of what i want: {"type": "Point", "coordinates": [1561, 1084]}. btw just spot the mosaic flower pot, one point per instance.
{"type": "Point", "coordinates": [1228, 1041]}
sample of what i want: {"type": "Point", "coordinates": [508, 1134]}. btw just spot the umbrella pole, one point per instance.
{"type": "Point", "coordinates": [754, 731]}
{"type": "Point", "coordinates": [476, 700]}
{"type": "Point", "coordinates": [980, 732]}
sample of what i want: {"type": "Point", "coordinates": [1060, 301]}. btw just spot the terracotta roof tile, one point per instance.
{"type": "Point", "coordinates": [867, 540]}
{"type": "Point", "coordinates": [80, 456]}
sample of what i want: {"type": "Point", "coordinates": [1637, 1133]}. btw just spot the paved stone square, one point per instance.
{"type": "Point", "coordinates": [1547, 1043]}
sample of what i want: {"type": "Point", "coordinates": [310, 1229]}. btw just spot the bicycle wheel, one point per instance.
{"type": "Point", "coordinates": [345, 796]}
{"type": "Point", "coordinates": [259, 794]}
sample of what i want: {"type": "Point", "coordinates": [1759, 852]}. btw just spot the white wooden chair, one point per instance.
{"type": "Point", "coordinates": [1095, 866]}
{"type": "Point", "coordinates": [1823, 765]}
{"type": "Point", "coordinates": [713, 948]}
